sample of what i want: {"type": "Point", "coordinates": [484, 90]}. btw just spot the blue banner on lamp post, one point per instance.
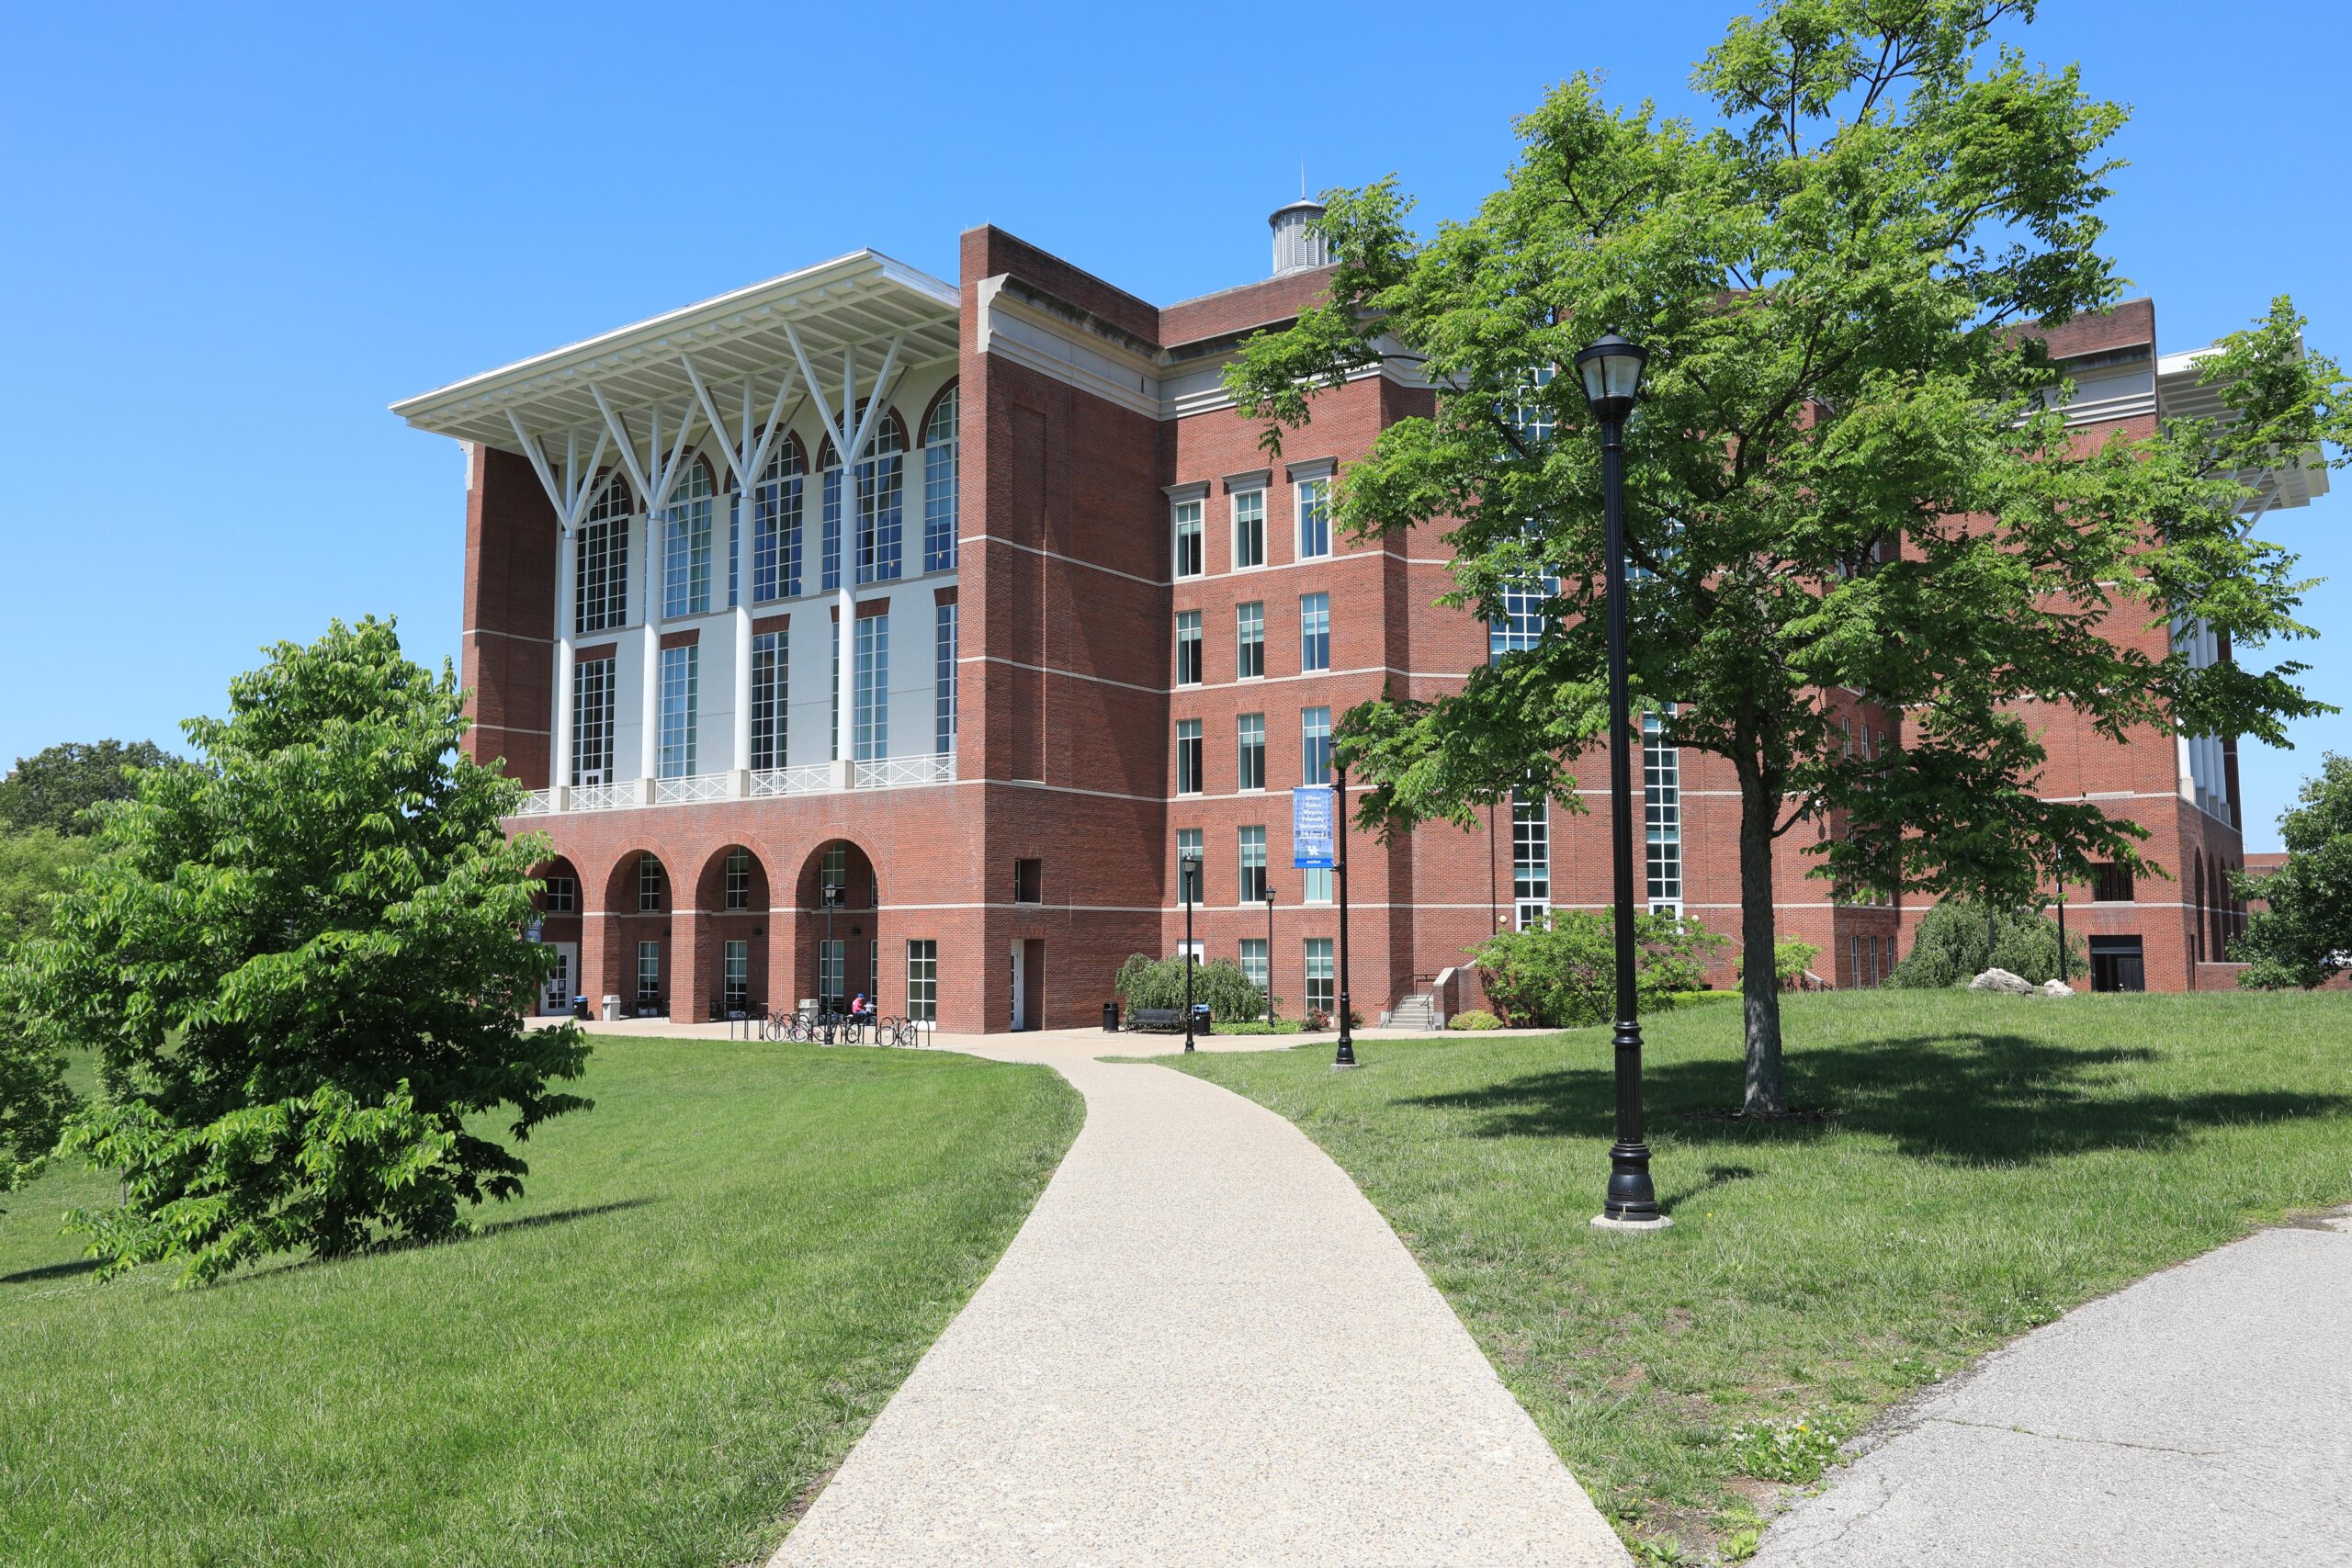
{"type": "Point", "coordinates": [1310, 827]}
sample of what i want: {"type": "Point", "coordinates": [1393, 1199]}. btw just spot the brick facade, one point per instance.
{"type": "Point", "coordinates": [1068, 707]}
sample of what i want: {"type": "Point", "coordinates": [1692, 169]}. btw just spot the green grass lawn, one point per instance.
{"type": "Point", "coordinates": [1988, 1162]}
{"type": "Point", "coordinates": [721, 1274]}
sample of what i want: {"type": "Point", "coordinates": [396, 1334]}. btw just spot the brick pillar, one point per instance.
{"type": "Point", "coordinates": [692, 973]}
{"type": "Point", "coordinates": [596, 960]}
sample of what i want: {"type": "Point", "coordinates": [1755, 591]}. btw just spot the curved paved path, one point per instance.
{"type": "Point", "coordinates": [2201, 1416]}
{"type": "Point", "coordinates": [1204, 1346]}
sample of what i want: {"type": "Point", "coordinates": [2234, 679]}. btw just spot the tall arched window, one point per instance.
{"type": "Point", "coordinates": [600, 567]}
{"type": "Point", "coordinates": [686, 543]}
{"type": "Point", "coordinates": [776, 545]}
{"type": "Point", "coordinates": [878, 486]}
{"type": "Point", "coordinates": [939, 470]}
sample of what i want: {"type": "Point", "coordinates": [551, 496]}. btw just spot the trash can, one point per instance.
{"type": "Point", "coordinates": [1110, 1018]}
{"type": "Point", "coordinates": [612, 1008]}
{"type": "Point", "coordinates": [580, 1008]}
{"type": "Point", "coordinates": [1201, 1019]}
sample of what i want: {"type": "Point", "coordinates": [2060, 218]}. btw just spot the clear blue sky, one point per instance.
{"type": "Point", "coordinates": [233, 235]}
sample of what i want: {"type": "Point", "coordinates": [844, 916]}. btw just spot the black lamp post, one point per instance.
{"type": "Point", "coordinates": [1612, 372]}
{"type": "Point", "coordinates": [1188, 869]}
{"type": "Point", "coordinates": [835, 897]}
{"type": "Point", "coordinates": [1347, 1057]}
{"type": "Point", "coordinates": [1269, 893]}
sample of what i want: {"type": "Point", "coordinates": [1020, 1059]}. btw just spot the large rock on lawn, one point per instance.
{"type": "Point", "coordinates": [2056, 989]}
{"type": "Point", "coordinates": [2003, 981]}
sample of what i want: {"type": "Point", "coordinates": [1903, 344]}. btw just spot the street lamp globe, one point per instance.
{"type": "Point", "coordinates": [1611, 370]}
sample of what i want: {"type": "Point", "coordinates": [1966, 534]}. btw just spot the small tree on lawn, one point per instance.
{"type": "Point", "coordinates": [55, 787]}
{"type": "Point", "coordinates": [2304, 936]}
{"type": "Point", "coordinates": [1852, 472]}
{"type": "Point", "coordinates": [1955, 943]}
{"type": "Point", "coordinates": [300, 963]}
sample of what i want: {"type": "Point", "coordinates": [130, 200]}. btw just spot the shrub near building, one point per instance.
{"type": "Point", "coordinates": [1561, 973]}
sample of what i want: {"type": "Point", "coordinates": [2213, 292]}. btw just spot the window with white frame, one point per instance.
{"type": "Point", "coordinates": [833, 871]}
{"type": "Point", "coordinates": [939, 468]}
{"type": "Point", "coordinates": [1253, 963]}
{"type": "Point", "coordinates": [1314, 745]}
{"type": "Point", "coordinates": [1250, 735]}
{"type": "Point", "coordinates": [1314, 631]}
{"type": "Point", "coordinates": [1188, 647]}
{"type": "Point", "coordinates": [1662, 808]}
{"type": "Point", "coordinates": [1529, 414]}
{"type": "Point", "coordinates": [1530, 860]}
{"type": "Point", "coordinates": [775, 524]}
{"type": "Point", "coordinates": [771, 699]}
{"type": "Point", "coordinates": [686, 544]}
{"type": "Point", "coordinates": [1521, 625]}
{"type": "Point", "coordinates": [679, 679]}
{"type": "Point", "coordinates": [600, 564]}
{"type": "Point", "coordinates": [943, 726]}
{"type": "Point", "coordinates": [1322, 995]}
{"type": "Point", "coordinates": [736, 889]}
{"type": "Point", "coordinates": [735, 972]}
{"type": "Point", "coordinates": [649, 971]}
{"type": "Point", "coordinates": [1253, 865]}
{"type": "Point", "coordinates": [1250, 528]}
{"type": "Point", "coordinates": [871, 734]}
{"type": "Point", "coordinates": [877, 488]}
{"type": "Point", "coordinates": [923, 979]}
{"type": "Point", "coordinates": [648, 886]}
{"type": "Point", "coordinates": [1314, 518]}
{"type": "Point", "coordinates": [1188, 532]}
{"type": "Point", "coordinates": [1188, 756]}
{"type": "Point", "coordinates": [1314, 884]}
{"type": "Point", "coordinates": [1188, 848]}
{"type": "Point", "coordinates": [592, 722]}
{"type": "Point", "coordinates": [1248, 641]}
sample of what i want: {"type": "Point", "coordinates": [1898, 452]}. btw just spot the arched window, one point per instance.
{"type": "Point", "coordinates": [776, 545]}
{"type": "Point", "coordinates": [686, 543]}
{"type": "Point", "coordinates": [939, 470]}
{"type": "Point", "coordinates": [878, 486]}
{"type": "Point", "coordinates": [600, 564]}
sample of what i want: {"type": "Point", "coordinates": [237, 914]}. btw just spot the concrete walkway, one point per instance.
{"type": "Point", "coordinates": [1204, 1347]}
{"type": "Point", "coordinates": [2202, 1415]}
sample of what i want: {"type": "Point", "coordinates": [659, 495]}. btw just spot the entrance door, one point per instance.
{"type": "Point", "coordinates": [555, 997]}
{"type": "Point", "coordinates": [2117, 964]}
{"type": "Point", "coordinates": [1020, 987]}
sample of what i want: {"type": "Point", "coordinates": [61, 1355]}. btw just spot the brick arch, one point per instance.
{"type": "Point", "coordinates": [716, 934]}
{"type": "Point", "coordinates": [857, 923]}
{"type": "Point", "coordinates": [617, 929]}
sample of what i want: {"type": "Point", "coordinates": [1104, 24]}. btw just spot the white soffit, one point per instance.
{"type": "Point", "coordinates": [860, 301]}
{"type": "Point", "coordinates": [2179, 396]}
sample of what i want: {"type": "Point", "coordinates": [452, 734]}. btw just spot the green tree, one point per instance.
{"type": "Point", "coordinates": [1955, 943]}
{"type": "Point", "coordinates": [56, 787]}
{"type": "Point", "coordinates": [1561, 973]}
{"type": "Point", "coordinates": [2304, 935]}
{"type": "Point", "coordinates": [35, 866]}
{"type": "Point", "coordinates": [299, 961]}
{"type": "Point", "coordinates": [1851, 473]}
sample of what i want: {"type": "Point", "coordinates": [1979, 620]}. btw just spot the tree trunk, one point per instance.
{"type": "Point", "coordinates": [1767, 1092]}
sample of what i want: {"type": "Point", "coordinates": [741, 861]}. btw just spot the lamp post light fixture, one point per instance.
{"type": "Point", "coordinates": [835, 896]}
{"type": "Point", "coordinates": [1612, 372]}
{"type": "Point", "coordinates": [1269, 892]}
{"type": "Point", "coordinates": [1347, 1057]}
{"type": "Point", "coordinates": [1187, 869]}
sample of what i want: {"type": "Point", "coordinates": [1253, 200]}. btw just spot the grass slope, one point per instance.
{"type": "Point", "coordinates": [721, 1274]}
{"type": "Point", "coordinates": [1989, 1163]}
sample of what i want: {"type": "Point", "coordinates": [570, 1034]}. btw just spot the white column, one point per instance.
{"type": "Point", "coordinates": [649, 742]}
{"type": "Point", "coordinates": [566, 651]}
{"type": "Point", "coordinates": [743, 515]}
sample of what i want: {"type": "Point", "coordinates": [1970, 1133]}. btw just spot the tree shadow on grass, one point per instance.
{"type": "Point", "coordinates": [51, 1272]}
{"type": "Point", "coordinates": [1959, 1098]}
{"type": "Point", "coordinates": [482, 1231]}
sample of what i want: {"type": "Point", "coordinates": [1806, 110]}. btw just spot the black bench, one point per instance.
{"type": "Point", "coordinates": [1164, 1019]}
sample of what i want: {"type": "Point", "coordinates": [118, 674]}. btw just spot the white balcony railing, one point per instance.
{"type": "Point", "coordinates": [693, 788]}
{"type": "Point", "coordinates": [811, 778]}
{"type": "Point", "coordinates": [603, 797]}
{"type": "Point", "coordinates": [897, 772]}
{"type": "Point", "coordinates": [762, 783]}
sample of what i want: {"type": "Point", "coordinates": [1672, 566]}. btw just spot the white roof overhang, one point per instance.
{"type": "Point", "coordinates": [856, 302]}
{"type": "Point", "coordinates": [2178, 396]}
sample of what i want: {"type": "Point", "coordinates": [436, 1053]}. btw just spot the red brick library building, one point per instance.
{"type": "Point", "coordinates": [862, 632]}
